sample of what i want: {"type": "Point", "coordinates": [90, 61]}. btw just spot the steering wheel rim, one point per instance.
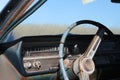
{"type": "Point", "coordinates": [101, 28]}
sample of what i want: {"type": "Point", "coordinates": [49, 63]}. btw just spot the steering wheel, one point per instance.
{"type": "Point", "coordinates": [84, 65]}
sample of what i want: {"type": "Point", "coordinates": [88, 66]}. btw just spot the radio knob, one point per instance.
{"type": "Point", "coordinates": [27, 65]}
{"type": "Point", "coordinates": [37, 64]}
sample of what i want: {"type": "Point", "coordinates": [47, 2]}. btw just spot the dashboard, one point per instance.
{"type": "Point", "coordinates": [40, 54]}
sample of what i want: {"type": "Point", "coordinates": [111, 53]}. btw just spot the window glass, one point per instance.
{"type": "Point", "coordinates": [3, 4]}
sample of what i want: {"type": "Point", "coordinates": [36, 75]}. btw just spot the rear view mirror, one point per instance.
{"type": "Point", "coordinates": [115, 1]}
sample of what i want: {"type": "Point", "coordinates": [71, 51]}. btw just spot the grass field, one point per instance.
{"type": "Point", "coordinates": [46, 29]}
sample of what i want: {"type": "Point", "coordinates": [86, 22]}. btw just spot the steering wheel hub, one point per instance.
{"type": "Point", "coordinates": [87, 65]}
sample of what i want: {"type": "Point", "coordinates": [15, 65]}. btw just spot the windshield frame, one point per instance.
{"type": "Point", "coordinates": [13, 24]}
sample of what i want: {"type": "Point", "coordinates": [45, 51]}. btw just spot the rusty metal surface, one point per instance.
{"type": "Point", "coordinates": [24, 8]}
{"type": "Point", "coordinates": [7, 71]}
{"type": "Point", "coordinates": [15, 15]}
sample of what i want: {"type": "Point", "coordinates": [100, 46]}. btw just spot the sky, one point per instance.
{"type": "Point", "coordinates": [66, 12]}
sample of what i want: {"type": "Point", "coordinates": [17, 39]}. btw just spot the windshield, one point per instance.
{"type": "Point", "coordinates": [66, 12]}
{"type": "Point", "coordinates": [61, 14]}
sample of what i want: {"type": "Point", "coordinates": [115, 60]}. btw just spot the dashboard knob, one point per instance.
{"type": "Point", "coordinates": [37, 64]}
{"type": "Point", "coordinates": [27, 65]}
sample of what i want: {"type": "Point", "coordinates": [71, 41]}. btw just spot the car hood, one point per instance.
{"type": "Point", "coordinates": [14, 13]}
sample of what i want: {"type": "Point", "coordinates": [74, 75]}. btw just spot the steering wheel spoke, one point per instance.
{"type": "Point", "coordinates": [90, 52]}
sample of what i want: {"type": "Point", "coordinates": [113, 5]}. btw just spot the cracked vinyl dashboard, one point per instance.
{"type": "Point", "coordinates": [40, 54]}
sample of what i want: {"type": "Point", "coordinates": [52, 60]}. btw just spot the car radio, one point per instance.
{"type": "Point", "coordinates": [41, 59]}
